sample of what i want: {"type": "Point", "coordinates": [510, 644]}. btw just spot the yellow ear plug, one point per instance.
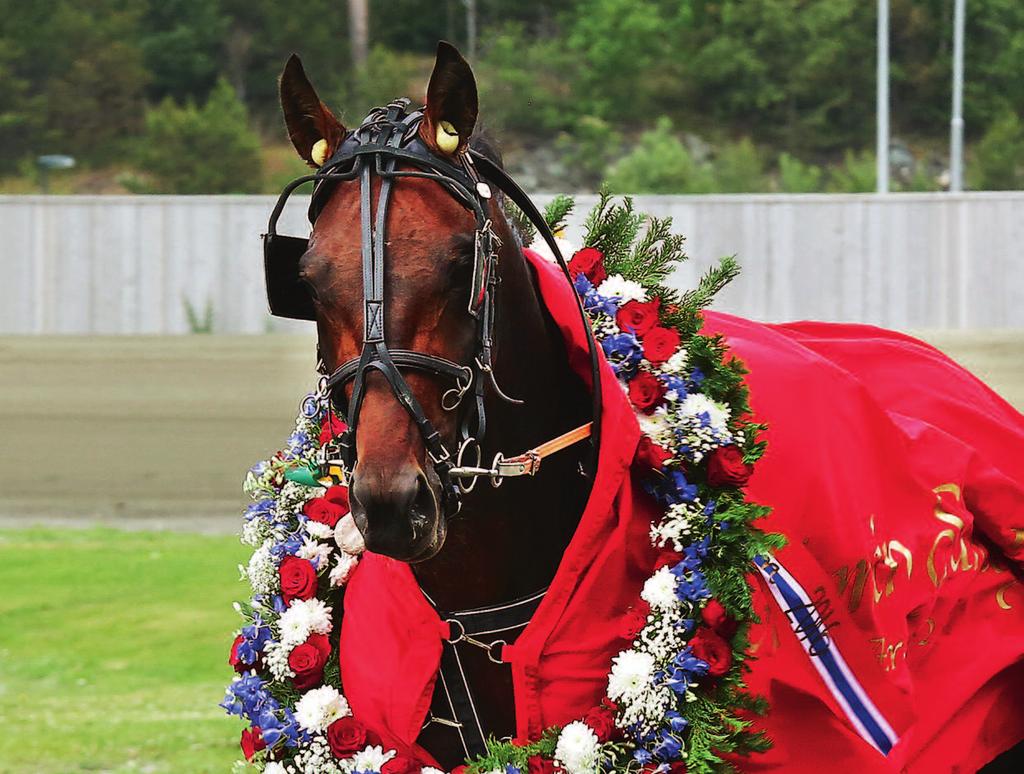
{"type": "Point", "coordinates": [447, 137]}
{"type": "Point", "coordinates": [319, 152]}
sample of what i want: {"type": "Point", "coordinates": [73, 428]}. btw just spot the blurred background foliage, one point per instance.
{"type": "Point", "coordinates": [665, 96]}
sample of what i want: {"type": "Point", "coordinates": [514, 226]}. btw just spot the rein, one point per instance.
{"type": "Point", "coordinates": [389, 136]}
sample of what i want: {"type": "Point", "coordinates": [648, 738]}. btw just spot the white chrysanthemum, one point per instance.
{"type": "Point", "coordinates": [262, 571]}
{"type": "Point", "coordinates": [273, 767]}
{"type": "Point", "coordinates": [578, 750]}
{"type": "Point", "coordinates": [344, 564]}
{"type": "Point", "coordinates": [430, 770]}
{"type": "Point", "coordinates": [656, 426]}
{"type": "Point", "coordinates": [617, 286]}
{"type": "Point", "coordinates": [677, 525]}
{"type": "Point", "coordinates": [371, 758]}
{"type": "Point", "coordinates": [320, 707]}
{"type": "Point", "coordinates": [302, 618]}
{"type": "Point", "coordinates": [630, 675]}
{"type": "Point", "coordinates": [676, 364]}
{"type": "Point", "coordinates": [319, 530]}
{"type": "Point", "coordinates": [660, 590]}
{"type": "Point", "coordinates": [696, 404]}
{"type": "Point", "coordinates": [318, 553]}
{"type": "Point", "coordinates": [540, 247]}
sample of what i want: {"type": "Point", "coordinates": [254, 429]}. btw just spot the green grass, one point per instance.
{"type": "Point", "coordinates": [113, 650]}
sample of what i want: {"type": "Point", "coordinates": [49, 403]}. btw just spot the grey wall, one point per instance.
{"type": "Point", "coordinates": [126, 264]}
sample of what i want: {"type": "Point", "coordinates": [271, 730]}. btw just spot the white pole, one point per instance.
{"type": "Point", "coordinates": [956, 124]}
{"type": "Point", "coordinates": [882, 139]}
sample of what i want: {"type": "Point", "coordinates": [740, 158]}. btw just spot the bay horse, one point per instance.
{"type": "Point", "coordinates": [504, 546]}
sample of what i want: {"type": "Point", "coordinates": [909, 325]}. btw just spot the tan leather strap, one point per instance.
{"type": "Point", "coordinates": [526, 464]}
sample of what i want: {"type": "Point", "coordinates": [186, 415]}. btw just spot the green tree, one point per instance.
{"type": "Point", "coordinates": [856, 175]}
{"type": "Point", "coordinates": [738, 168]}
{"type": "Point", "coordinates": [997, 163]}
{"type": "Point", "coordinates": [797, 177]}
{"type": "Point", "coordinates": [191, 150]}
{"type": "Point", "coordinates": [660, 163]}
{"type": "Point", "coordinates": [182, 46]}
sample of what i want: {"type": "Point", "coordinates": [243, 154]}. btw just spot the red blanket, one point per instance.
{"type": "Point", "coordinates": [899, 481]}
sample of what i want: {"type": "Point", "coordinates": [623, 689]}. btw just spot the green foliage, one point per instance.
{"type": "Point", "coordinates": [738, 168]}
{"type": "Point", "coordinates": [212, 149]}
{"type": "Point", "coordinates": [181, 44]}
{"type": "Point", "coordinates": [997, 163]}
{"type": "Point", "coordinates": [856, 175]}
{"type": "Point", "coordinates": [588, 148]}
{"type": "Point", "coordinates": [660, 163]}
{"type": "Point", "coordinates": [387, 75]}
{"type": "Point", "coordinates": [797, 177]}
{"type": "Point", "coordinates": [198, 323]}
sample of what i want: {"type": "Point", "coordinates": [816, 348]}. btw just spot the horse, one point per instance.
{"type": "Point", "coordinates": [480, 549]}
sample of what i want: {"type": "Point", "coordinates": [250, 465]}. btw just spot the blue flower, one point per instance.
{"type": "Point", "coordinates": [693, 588]}
{"type": "Point", "coordinates": [668, 747]}
{"type": "Point", "coordinates": [642, 756]}
{"type": "Point", "coordinates": [287, 547]}
{"type": "Point", "coordinates": [686, 668]}
{"type": "Point", "coordinates": [254, 639]}
{"type": "Point", "coordinates": [696, 377]}
{"type": "Point", "coordinates": [623, 351]}
{"type": "Point", "coordinates": [595, 302]}
{"type": "Point", "coordinates": [674, 384]}
{"type": "Point", "coordinates": [510, 769]}
{"type": "Point", "coordinates": [676, 721]}
{"type": "Point", "coordinates": [248, 697]}
{"type": "Point", "coordinates": [582, 284]}
{"type": "Point", "coordinates": [259, 469]}
{"type": "Point", "coordinates": [264, 509]}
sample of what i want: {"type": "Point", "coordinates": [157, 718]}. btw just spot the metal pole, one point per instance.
{"type": "Point", "coordinates": [882, 139]}
{"type": "Point", "coordinates": [471, 28]}
{"type": "Point", "coordinates": [956, 123]}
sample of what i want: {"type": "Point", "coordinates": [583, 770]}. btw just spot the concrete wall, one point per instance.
{"type": "Point", "coordinates": [128, 264]}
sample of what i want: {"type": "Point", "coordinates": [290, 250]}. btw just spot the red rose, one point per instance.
{"type": "Point", "coordinates": [402, 765]}
{"type": "Point", "coordinates": [677, 767]}
{"type": "Point", "coordinates": [709, 647]}
{"type": "Point", "coordinates": [298, 579]}
{"type": "Point", "coordinates": [646, 391]}
{"type": "Point", "coordinates": [589, 262]}
{"type": "Point", "coordinates": [660, 344]}
{"type": "Point", "coordinates": [252, 742]}
{"type": "Point", "coordinates": [233, 659]}
{"type": "Point", "coordinates": [602, 723]}
{"type": "Point", "coordinates": [636, 619]}
{"type": "Point", "coordinates": [538, 765]}
{"type": "Point", "coordinates": [307, 661]}
{"type": "Point", "coordinates": [339, 496]}
{"type": "Point", "coordinates": [727, 468]}
{"type": "Point", "coordinates": [650, 455]}
{"type": "Point", "coordinates": [346, 736]}
{"type": "Point", "coordinates": [721, 622]}
{"type": "Point", "coordinates": [332, 428]}
{"type": "Point", "coordinates": [638, 317]}
{"type": "Point", "coordinates": [323, 510]}
{"type": "Point", "coordinates": [668, 559]}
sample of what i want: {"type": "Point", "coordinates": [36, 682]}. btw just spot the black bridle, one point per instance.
{"type": "Point", "coordinates": [388, 137]}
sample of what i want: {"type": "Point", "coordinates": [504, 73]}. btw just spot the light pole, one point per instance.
{"type": "Point", "coordinates": [956, 122]}
{"type": "Point", "coordinates": [882, 96]}
{"type": "Point", "coordinates": [50, 163]}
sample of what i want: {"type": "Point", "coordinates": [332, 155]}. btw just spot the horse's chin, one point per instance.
{"type": "Point", "coordinates": [432, 546]}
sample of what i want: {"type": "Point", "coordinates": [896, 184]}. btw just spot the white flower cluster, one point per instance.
{"type": "Point", "coordinates": [578, 749]}
{"type": "Point", "coordinates": [293, 496]}
{"type": "Point", "coordinates": [319, 707]}
{"type": "Point", "coordinates": [303, 618]}
{"type": "Point", "coordinates": [275, 656]}
{"type": "Point", "coordinates": [256, 531]}
{"type": "Point", "coordinates": [618, 287]}
{"type": "Point", "coordinates": [371, 758]}
{"type": "Point", "coordinates": [262, 570]}
{"type": "Point", "coordinates": [315, 757]}
{"type": "Point", "coordinates": [678, 525]}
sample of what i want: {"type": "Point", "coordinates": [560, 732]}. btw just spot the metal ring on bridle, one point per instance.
{"type": "Point", "coordinates": [451, 398]}
{"type": "Point", "coordinates": [461, 463]}
{"type": "Point", "coordinates": [496, 479]}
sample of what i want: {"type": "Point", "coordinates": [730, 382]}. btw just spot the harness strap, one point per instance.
{"type": "Point", "coordinates": [528, 463]}
{"type": "Point", "coordinates": [489, 629]}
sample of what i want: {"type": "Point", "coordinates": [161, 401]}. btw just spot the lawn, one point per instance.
{"type": "Point", "coordinates": [113, 650]}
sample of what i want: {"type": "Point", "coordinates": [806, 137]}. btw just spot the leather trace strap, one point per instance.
{"type": "Point", "coordinates": [528, 463]}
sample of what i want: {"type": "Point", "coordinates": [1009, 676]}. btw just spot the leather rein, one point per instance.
{"type": "Point", "coordinates": [389, 136]}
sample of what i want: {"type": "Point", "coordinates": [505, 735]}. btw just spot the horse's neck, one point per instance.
{"type": "Point", "coordinates": [507, 542]}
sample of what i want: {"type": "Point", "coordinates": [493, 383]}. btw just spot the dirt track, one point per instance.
{"type": "Point", "coordinates": [156, 432]}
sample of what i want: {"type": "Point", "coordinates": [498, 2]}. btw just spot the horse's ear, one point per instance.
{"type": "Point", "coordinates": [451, 102]}
{"type": "Point", "coordinates": [312, 127]}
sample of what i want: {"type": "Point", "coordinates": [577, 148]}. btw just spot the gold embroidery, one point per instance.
{"type": "Point", "coordinates": [962, 555]}
{"type": "Point", "coordinates": [856, 588]}
{"type": "Point", "coordinates": [885, 557]}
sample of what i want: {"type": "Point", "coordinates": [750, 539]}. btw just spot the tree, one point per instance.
{"type": "Point", "coordinates": [192, 150]}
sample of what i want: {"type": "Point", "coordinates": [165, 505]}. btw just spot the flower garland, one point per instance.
{"type": "Point", "coordinates": [675, 697]}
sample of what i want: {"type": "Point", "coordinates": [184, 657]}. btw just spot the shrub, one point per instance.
{"type": "Point", "coordinates": [386, 76]}
{"type": "Point", "coordinates": [997, 163]}
{"type": "Point", "coordinates": [190, 150]}
{"type": "Point", "coordinates": [660, 163]}
{"type": "Point", "coordinates": [588, 149]}
{"type": "Point", "coordinates": [856, 175]}
{"type": "Point", "coordinates": [797, 177]}
{"type": "Point", "coordinates": [738, 169]}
